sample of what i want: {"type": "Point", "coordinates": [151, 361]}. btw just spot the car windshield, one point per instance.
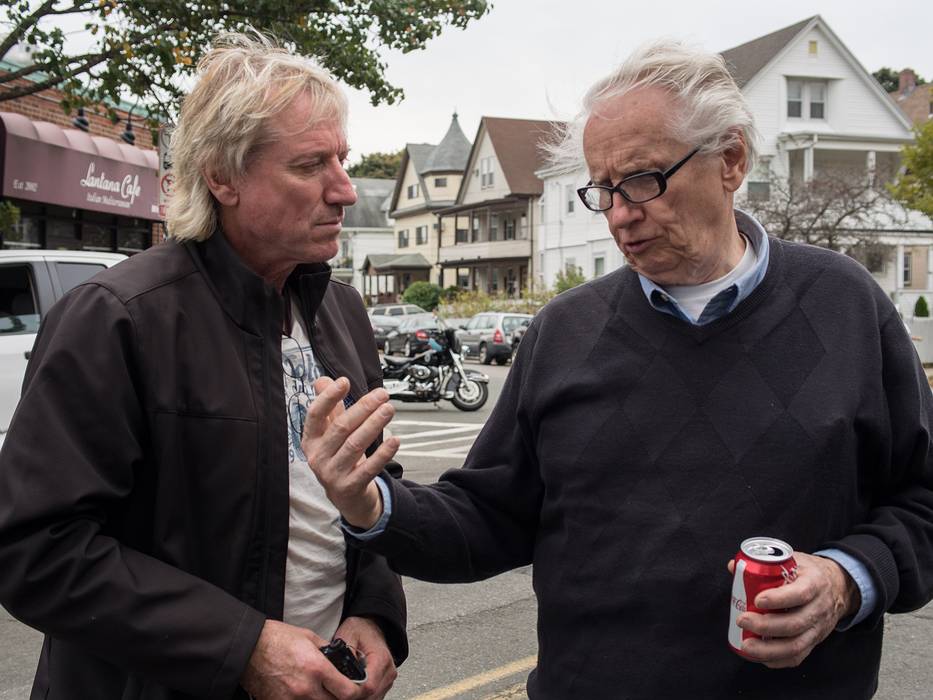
{"type": "Point", "coordinates": [510, 323]}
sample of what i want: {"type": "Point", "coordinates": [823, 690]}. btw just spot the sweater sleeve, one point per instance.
{"type": "Point", "coordinates": [67, 472]}
{"type": "Point", "coordinates": [895, 541]}
{"type": "Point", "coordinates": [480, 520]}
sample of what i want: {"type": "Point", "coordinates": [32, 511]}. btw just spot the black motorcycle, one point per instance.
{"type": "Point", "coordinates": [435, 374]}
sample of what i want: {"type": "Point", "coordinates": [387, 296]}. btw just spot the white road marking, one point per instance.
{"type": "Point", "coordinates": [458, 454]}
{"type": "Point", "coordinates": [432, 433]}
{"type": "Point", "coordinates": [416, 449]}
{"type": "Point", "coordinates": [440, 442]}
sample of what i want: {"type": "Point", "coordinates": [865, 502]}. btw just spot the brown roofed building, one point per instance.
{"type": "Point", "coordinates": [915, 100]}
{"type": "Point", "coordinates": [428, 180]}
{"type": "Point", "coordinates": [487, 240]}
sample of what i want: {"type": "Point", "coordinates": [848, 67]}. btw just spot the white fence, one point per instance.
{"type": "Point", "coordinates": [922, 330]}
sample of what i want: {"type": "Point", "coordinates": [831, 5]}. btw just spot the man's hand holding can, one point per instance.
{"type": "Point", "coordinates": [791, 619]}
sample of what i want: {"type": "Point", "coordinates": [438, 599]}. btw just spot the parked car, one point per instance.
{"type": "Point", "coordinates": [518, 334]}
{"type": "Point", "coordinates": [488, 335]}
{"type": "Point", "coordinates": [30, 282]}
{"type": "Point", "coordinates": [382, 326]}
{"type": "Point", "coordinates": [412, 335]}
{"type": "Point", "coordinates": [395, 310]}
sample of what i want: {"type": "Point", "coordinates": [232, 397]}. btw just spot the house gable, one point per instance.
{"type": "Point", "coordinates": [409, 176]}
{"type": "Point", "coordinates": [855, 105]}
{"type": "Point", "coordinates": [483, 161]}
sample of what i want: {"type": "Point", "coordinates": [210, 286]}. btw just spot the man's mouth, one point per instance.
{"type": "Point", "coordinates": [636, 247]}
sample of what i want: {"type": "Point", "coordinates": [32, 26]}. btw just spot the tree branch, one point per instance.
{"type": "Point", "coordinates": [40, 68]}
{"type": "Point", "coordinates": [17, 33]}
{"type": "Point", "coordinates": [77, 8]}
{"type": "Point", "coordinates": [12, 94]}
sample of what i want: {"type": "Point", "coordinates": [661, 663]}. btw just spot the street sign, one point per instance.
{"type": "Point", "coordinates": [166, 177]}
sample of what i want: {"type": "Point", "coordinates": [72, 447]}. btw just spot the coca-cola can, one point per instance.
{"type": "Point", "coordinates": [762, 563]}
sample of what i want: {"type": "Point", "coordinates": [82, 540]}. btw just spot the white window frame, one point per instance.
{"type": "Point", "coordinates": [599, 257]}
{"type": "Point", "coordinates": [486, 171]}
{"type": "Point", "coordinates": [807, 100]}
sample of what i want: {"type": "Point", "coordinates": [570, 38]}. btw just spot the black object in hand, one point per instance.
{"type": "Point", "coordinates": [345, 660]}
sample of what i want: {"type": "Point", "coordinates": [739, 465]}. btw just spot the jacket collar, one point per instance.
{"type": "Point", "coordinates": [246, 297]}
{"type": "Point", "coordinates": [309, 282]}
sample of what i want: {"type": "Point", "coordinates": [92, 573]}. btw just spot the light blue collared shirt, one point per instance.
{"type": "Point", "coordinates": [720, 305]}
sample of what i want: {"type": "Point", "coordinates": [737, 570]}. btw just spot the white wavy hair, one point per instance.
{"type": "Point", "coordinates": [710, 112]}
{"type": "Point", "coordinates": [244, 81]}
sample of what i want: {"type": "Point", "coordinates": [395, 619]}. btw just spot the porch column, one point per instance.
{"type": "Point", "coordinates": [899, 275]}
{"type": "Point", "coordinates": [808, 163]}
{"type": "Point", "coordinates": [871, 159]}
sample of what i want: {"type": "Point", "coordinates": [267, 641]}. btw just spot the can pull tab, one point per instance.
{"type": "Point", "coordinates": [789, 574]}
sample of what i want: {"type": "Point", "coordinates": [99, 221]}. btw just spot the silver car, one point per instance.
{"type": "Point", "coordinates": [488, 335]}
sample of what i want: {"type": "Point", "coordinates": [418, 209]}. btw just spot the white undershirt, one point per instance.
{"type": "Point", "coordinates": [316, 566]}
{"type": "Point", "coordinates": [693, 298]}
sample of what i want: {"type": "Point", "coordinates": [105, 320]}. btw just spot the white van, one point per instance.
{"type": "Point", "coordinates": [30, 282]}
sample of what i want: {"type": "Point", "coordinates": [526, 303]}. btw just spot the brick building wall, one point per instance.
{"type": "Point", "coordinates": [46, 106]}
{"type": "Point", "coordinates": [915, 100]}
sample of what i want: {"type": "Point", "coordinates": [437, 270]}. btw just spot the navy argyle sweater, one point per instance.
{"type": "Point", "coordinates": [630, 453]}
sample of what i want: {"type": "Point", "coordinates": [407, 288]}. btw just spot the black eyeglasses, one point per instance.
{"type": "Point", "coordinates": [637, 189]}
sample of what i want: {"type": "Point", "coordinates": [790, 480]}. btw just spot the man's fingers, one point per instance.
{"type": "Point", "coordinates": [791, 595]}
{"type": "Point", "coordinates": [356, 443]}
{"type": "Point", "coordinates": [340, 686]}
{"type": "Point", "coordinates": [778, 625]}
{"type": "Point", "coordinates": [780, 653]}
{"type": "Point", "coordinates": [343, 427]}
{"type": "Point", "coordinates": [328, 395]}
{"type": "Point", "coordinates": [372, 466]}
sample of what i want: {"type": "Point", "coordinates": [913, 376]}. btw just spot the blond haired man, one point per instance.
{"type": "Point", "coordinates": [158, 520]}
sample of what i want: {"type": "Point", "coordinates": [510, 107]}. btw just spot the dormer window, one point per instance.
{"type": "Point", "coordinates": [806, 99]}
{"type": "Point", "coordinates": [414, 191]}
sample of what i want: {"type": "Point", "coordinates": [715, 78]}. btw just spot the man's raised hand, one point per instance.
{"type": "Point", "coordinates": [334, 441]}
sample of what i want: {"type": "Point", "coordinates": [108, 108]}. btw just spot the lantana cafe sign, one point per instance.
{"type": "Point", "coordinates": [36, 170]}
{"type": "Point", "coordinates": [128, 188]}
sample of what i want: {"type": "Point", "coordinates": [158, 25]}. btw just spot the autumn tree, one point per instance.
{"type": "Point", "coordinates": [890, 79]}
{"type": "Point", "coordinates": [914, 187]}
{"type": "Point", "coordinates": [836, 209]}
{"type": "Point", "coordinates": [143, 49]}
{"type": "Point", "coordinates": [384, 165]}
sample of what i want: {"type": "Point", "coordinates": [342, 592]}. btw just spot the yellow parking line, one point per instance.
{"type": "Point", "coordinates": [480, 679]}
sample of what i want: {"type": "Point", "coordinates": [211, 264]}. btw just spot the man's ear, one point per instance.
{"type": "Point", "coordinates": [224, 191]}
{"type": "Point", "coordinates": [734, 163]}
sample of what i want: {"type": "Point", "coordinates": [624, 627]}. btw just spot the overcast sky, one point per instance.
{"type": "Point", "coordinates": [535, 58]}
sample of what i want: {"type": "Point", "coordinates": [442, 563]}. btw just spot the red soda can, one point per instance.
{"type": "Point", "coordinates": [762, 563]}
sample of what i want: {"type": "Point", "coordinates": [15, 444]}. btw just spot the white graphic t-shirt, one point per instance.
{"type": "Point", "coordinates": [316, 567]}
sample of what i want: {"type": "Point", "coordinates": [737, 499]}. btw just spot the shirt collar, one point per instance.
{"type": "Point", "coordinates": [743, 286]}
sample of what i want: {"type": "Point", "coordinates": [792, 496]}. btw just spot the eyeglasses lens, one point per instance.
{"type": "Point", "coordinates": [642, 188]}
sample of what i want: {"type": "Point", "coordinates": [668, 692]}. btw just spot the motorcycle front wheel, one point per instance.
{"type": "Point", "coordinates": [470, 395]}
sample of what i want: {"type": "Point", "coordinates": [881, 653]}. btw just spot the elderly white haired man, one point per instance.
{"type": "Point", "coordinates": [158, 520]}
{"type": "Point", "coordinates": [722, 385]}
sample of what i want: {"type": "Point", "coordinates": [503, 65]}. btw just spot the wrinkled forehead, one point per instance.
{"type": "Point", "coordinates": [629, 127]}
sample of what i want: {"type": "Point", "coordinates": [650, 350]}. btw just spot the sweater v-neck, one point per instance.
{"type": "Point", "coordinates": [700, 334]}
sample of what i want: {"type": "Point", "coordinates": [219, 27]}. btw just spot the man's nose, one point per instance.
{"type": "Point", "coordinates": [623, 213]}
{"type": "Point", "coordinates": [340, 190]}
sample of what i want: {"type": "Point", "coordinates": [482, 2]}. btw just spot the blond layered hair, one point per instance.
{"type": "Point", "coordinates": [709, 109]}
{"type": "Point", "coordinates": [244, 82]}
